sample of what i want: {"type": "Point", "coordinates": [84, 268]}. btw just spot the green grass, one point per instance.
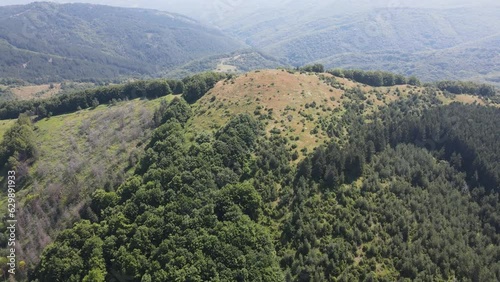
{"type": "Point", "coordinates": [287, 95]}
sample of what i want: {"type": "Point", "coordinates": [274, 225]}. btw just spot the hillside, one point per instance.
{"type": "Point", "coordinates": [45, 42]}
{"type": "Point", "coordinates": [391, 183]}
{"type": "Point", "coordinates": [429, 39]}
{"type": "Point", "coordinates": [77, 153]}
{"type": "Point", "coordinates": [266, 155]}
{"type": "Point", "coordinates": [407, 41]}
{"type": "Point", "coordinates": [236, 62]}
{"type": "Point", "coordinates": [451, 40]}
{"type": "Point", "coordinates": [405, 30]}
{"type": "Point", "coordinates": [476, 61]}
{"type": "Point", "coordinates": [298, 105]}
{"type": "Point", "coordinates": [456, 41]}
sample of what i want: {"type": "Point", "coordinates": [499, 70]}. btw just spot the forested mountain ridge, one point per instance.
{"type": "Point", "coordinates": [407, 41]}
{"type": "Point", "coordinates": [456, 41]}
{"type": "Point", "coordinates": [434, 41]}
{"type": "Point", "coordinates": [271, 175]}
{"type": "Point", "coordinates": [240, 61]}
{"type": "Point", "coordinates": [432, 65]}
{"type": "Point", "coordinates": [44, 41]}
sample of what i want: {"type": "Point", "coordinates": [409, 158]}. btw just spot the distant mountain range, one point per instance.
{"type": "Point", "coordinates": [434, 40]}
{"type": "Point", "coordinates": [43, 42]}
{"type": "Point", "coordinates": [433, 44]}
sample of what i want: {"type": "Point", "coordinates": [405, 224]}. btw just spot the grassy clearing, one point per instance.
{"type": "Point", "coordinates": [462, 98]}
{"type": "Point", "coordinates": [294, 104]}
{"type": "Point", "coordinates": [223, 67]}
{"type": "Point", "coordinates": [43, 91]}
{"type": "Point", "coordinates": [275, 96]}
{"type": "Point", "coordinates": [36, 91]}
{"type": "Point", "coordinates": [290, 104]}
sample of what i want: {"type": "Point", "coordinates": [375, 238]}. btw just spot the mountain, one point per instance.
{"type": "Point", "coordinates": [433, 40]}
{"type": "Point", "coordinates": [430, 43]}
{"type": "Point", "coordinates": [235, 62]}
{"type": "Point", "coordinates": [282, 175]}
{"type": "Point", "coordinates": [224, 13]}
{"type": "Point", "coordinates": [49, 42]}
{"type": "Point", "coordinates": [476, 61]}
{"type": "Point", "coordinates": [435, 53]}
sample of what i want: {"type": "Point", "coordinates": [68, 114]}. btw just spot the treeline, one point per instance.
{"type": "Point", "coordinates": [375, 78]}
{"type": "Point", "coordinates": [18, 147]}
{"type": "Point", "coordinates": [372, 78]}
{"type": "Point", "coordinates": [466, 87]}
{"type": "Point", "coordinates": [13, 81]}
{"type": "Point", "coordinates": [317, 68]}
{"type": "Point", "coordinates": [192, 89]}
{"type": "Point", "coordinates": [197, 85]}
{"type": "Point", "coordinates": [67, 103]}
{"type": "Point", "coordinates": [6, 94]}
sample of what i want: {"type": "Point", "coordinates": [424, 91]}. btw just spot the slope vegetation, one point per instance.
{"type": "Point", "coordinates": [49, 42]}
{"type": "Point", "coordinates": [388, 199]}
{"type": "Point", "coordinates": [274, 175]}
{"type": "Point", "coordinates": [458, 41]}
{"type": "Point", "coordinates": [299, 105]}
{"type": "Point", "coordinates": [76, 154]}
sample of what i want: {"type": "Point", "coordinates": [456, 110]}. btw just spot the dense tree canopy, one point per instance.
{"type": "Point", "coordinates": [71, 102]}
{"type": "Point", "coordinates": [173, 216]}
{"type": "Point", "coordinates": [469, 87]}
{"type": "Point", "coordinates": [318, 68]}
{"type": "Point", "coordinates": [375, 78]}
{"type": "Point", "coordinates": [407, 192]}
{"type": "Point", "coordinates": [197, 85]}
{"type": "Point", "coordinates": [372, 209]}
{"type": "Point", "coordinates": [18, 144]}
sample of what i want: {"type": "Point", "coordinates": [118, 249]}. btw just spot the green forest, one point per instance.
{"type": "Point", "coordinates": [79, 42]}
{"type": "Point", "coordinates": [410, 192]}
{"type": "Point", "coordinates": [249, 141]}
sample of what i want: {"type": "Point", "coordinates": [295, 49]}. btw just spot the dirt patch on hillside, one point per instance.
{"type": "Point", "coordinates": [36, 91]}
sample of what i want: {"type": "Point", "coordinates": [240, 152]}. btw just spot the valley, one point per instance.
{"type": "Point", "coordinates": [287, 141]}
